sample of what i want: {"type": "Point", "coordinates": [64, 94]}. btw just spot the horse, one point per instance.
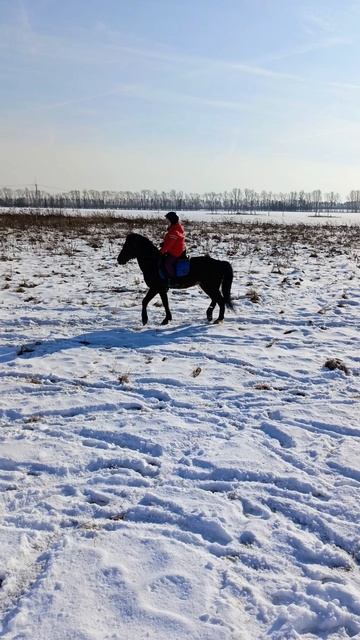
{"type": "Point", "coordinates": [208, 273]}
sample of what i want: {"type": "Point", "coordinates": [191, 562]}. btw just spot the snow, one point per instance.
{"type": "Point", "coordinates": [333, 218]}
{"type": "Point", "coordinates": [195, 480]}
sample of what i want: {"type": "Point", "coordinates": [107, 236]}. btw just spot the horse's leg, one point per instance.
{"type": "Point", "coordinates": [165, 301]}
{"type": "Point", "coordinates": [149, 296]}
{"type": "Point", "coordinates": [210, 309]}
{"type": "Point", "coordinates": [213, 296]}
{"type": "Point", "coordinates": [216, 298]}
{"type": "Point", "coordinates": [221, 302]}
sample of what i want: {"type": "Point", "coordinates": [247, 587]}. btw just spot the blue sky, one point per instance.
{"type": "Point", "coordinates": [199, 95]}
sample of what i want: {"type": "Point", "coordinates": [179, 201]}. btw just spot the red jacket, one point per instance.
{"type": "Point", "coordinates": [174, 241]}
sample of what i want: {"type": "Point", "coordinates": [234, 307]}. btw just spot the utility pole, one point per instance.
{"type": "Point", "coordinates": [36, 193]}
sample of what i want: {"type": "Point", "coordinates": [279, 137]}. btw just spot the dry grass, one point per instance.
{"type": "Point", "coordinates": [262, 386]}
{"type": "Point", "coordinates": [63, 234]}
{"type": "Point", "coordinates": [336, 363]}
{"type": "Point", "coordinates": [253, 296]}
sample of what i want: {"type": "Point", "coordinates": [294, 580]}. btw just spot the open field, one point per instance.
{"type": "Point", "coordinates": [333, 218]}
{"type": "Point", "coordinates": [190, 481]}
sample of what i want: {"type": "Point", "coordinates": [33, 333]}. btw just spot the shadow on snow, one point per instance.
{"type": "Point", "coordinates": [104, 339]}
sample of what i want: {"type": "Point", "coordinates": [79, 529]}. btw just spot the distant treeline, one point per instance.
{"type": "Point", "coordinates": [236, 200]}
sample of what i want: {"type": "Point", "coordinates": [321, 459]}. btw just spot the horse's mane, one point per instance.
{"type": "Point", "coordinates": [145, 243]}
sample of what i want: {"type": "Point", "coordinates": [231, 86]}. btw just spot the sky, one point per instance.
{"type": "Point", "coordinates": [193, 95]}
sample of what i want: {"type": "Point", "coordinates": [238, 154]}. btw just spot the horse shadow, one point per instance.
{"type": "Point", "coordinates": [106, 339]}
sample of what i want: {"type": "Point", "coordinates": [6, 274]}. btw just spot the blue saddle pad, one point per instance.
{"type": "Point", "coordinates": [182, 268]}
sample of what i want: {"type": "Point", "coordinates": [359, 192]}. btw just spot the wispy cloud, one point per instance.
{"type": "Point", "coordinates": [143, 92]}
{"type": "Point", "coordinates": [155, 94]}
{"type": "Point", "coordinates": [329, 131]}
{"type": "Point", "coordinates": [309, 47]}
{"type": "Point", "coordinates": [79, 47]}
{"type": "Point", "coordinates": [329, 18]}
{"type": "Point", "coordinates": [353, 86]}
{"type": "Point", "coordinates": [315, 22]}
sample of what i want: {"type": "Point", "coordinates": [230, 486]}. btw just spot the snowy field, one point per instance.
{"type": "Point", "coordinates": [335, 218]}
{"type": "Point", "coordinates": [194, 481]}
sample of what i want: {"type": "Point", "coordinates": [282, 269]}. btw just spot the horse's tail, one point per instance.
{"type": "Point", "coordinates": [226, 283]}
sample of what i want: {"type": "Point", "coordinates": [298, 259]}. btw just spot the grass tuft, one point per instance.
{"type": "Point", "coordinates": [336, 363]}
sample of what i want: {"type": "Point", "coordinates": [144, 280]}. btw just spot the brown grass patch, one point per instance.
{"type": "Point", "coordinates": [336, 363]}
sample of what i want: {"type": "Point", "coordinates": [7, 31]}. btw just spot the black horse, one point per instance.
{"type": "Point", "coordinates": [210, 274]}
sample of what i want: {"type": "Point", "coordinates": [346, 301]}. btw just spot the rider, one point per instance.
{"type": "Point", "coordinates": [173, 245]}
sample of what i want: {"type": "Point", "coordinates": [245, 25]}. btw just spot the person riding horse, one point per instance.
{"type": "Point", "coordinates": [213, 276]}
{"type": "Point", "coordinates": [173, 245]}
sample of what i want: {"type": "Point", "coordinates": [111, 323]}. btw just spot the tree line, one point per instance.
{"type": "Point", "coordinates": [234, 201]}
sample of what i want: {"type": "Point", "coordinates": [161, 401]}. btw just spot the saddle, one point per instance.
{"type": "Point", "coordinates": [180, 269]}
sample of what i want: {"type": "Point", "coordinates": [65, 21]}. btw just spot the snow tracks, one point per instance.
{"type": "Point", "coordinates": [197, 481]}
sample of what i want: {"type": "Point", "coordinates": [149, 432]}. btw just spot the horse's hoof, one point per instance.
{"type": "Point", "coordinates": [219, 321]}
{"type": "Point", "coordinates": [165, 321]}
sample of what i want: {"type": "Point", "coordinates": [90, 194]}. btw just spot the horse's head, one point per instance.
{"type": "Point", "coordinates": [137, 246]}
{"type": "Point", "coordinates": [129, 250]}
